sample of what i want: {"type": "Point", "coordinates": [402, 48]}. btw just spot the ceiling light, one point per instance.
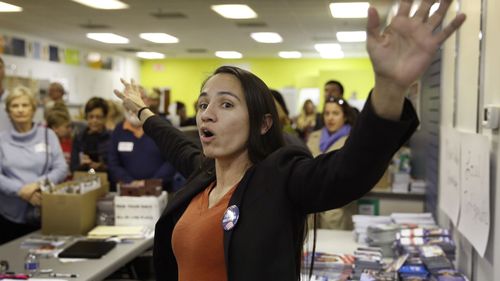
{"type": "Point", "coordinates": [327, 47]}
{"type": "Point", "coordinates": [332, 55]}
{"type": "Point", "coordinates": [109, 38]}
{"type": "Point", "coordinates": [103, 4]}
{"type": "Point", "coordinates": [290, 54]}
{"type": "Point", "coordinates": [6, 7]}
{"type": "Point", "coordinates": [162, 38]}
{"type": "Point", "coordinates": [150, 55]}
{"type": "Point", "coordinates": [266, 37]}
{"type": "Point", "coordinates": [351, 36]}
{"type": "Point", "coordinates": [349, 10]}
{"type": "Point", "coordinates": [234, 11]}
{"type": "Point", "coordinates": [228, 55]}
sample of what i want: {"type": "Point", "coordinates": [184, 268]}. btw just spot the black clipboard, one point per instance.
{"type": "Point", "coordinates": [88, 249]}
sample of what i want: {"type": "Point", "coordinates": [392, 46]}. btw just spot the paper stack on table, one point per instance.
{"type": "Point", "coordinates": [120, 232]}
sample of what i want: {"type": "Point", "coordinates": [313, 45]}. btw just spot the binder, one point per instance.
{"type": "Point", "coordinates": [88, 249]}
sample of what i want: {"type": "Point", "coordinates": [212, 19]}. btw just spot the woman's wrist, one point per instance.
{"type": "Point", "coordinates": [139, 112]}
{"type": "Point", "coordinates": [388, 98]}
{"type": "Point", "coordinates": [144, 113]}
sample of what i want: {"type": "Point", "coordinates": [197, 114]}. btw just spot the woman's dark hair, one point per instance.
{"type": "Point", "coordinates": [349, 113]}
{"type": "Point", "coordinates": [94, 103]}
{"type": "Point", "coordinates": [279, 98]}
{"type": "Point", "coordinates": [259, 103]}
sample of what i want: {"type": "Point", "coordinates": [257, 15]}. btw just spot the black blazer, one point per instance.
{"type": "Point", "coordinates": [276, 194]}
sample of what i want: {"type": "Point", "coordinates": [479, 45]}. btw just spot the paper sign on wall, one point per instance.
{"type": "Point", "coordinates": [449, 199]}
{"type": "Point", "coordinates": [474, 222]}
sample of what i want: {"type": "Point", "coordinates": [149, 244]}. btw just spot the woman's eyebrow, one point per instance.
{"type": "Point", "coordinates": [221, 93]}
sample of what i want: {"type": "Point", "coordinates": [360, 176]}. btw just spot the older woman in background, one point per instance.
{"type": "Point", "coordinates": [90, 147]}
{"type": "Point", "coordinates": [29, 153]}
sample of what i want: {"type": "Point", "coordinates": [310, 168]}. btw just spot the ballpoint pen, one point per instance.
{"type": "Point", "coordinates": [64, 275]}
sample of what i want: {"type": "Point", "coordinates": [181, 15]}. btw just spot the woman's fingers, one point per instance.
{"type": "Point", "coordinates": [404, 8]}
{"type": "Point", "coordinates": [450, 28]}
{"type": "Point", "coordinates": [373, 24]}
{"type": "Point", "coordinates": [423, 11]}
{"type": "Point", "coordinates": [435, 20]}
{"type": "Point", "coordinates": [119, 94]}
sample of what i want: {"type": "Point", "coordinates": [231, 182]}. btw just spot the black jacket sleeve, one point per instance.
{"type": "Point", "coordinates": [334, 179]}
{"type": "Point", "coordinates": [174, 146]}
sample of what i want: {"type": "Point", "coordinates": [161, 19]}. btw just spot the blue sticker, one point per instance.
{"type": "Point", "coordinates": [230, 218]}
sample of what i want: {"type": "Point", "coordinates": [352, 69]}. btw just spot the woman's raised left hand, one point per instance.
{"type": "Point", "coordinates": [404, 50]}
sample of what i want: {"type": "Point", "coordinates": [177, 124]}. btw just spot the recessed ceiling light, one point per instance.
{"type": "Point", "coordinates": [332, 55]}
{"type": "Point", "coordinates": [327, 47]}
{"type": "Point", "coordinates": [150, 55]}
{"type": "Point", "coordinates": [162, 38]}
{"type": "Point", "coordinates": [109, 38]}
{"type": "Point", "coordinates": [103, 4]}
{"type": "Point", "coordinates": [290, 54]}
{"type": "Point", "coordinates": [228, 55]}
{"type": "Point", "coordinates": [266, 37]}
{"type": "Point", "coordinates": [235, 11]}
{"type": "Point", "coordinates": [6, 7]}
{"type": "Point", "coordinates": [349, 10]}
{"type": "Point", "coordinates": [351, 36]}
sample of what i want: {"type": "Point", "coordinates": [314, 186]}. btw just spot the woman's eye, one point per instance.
{"type": "Point", "coordinates": [226, 105]}
{"type": "Point", "coordinates": [202, 106]}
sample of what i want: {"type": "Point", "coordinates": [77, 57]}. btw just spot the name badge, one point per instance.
{"type": "Point", "coordinates": [40, 147]}
{"type": "Point", "coordinates": [125, 146]}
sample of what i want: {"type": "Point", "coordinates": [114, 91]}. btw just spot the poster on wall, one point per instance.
{"type": "Point", "coordinates": [13, 46]}
{"type": "Point", "coordinates": [449, 180]}
{"type": "Point", "coordinates": [18, 47]}
{"type": "Point", "coordinates": [54, 53]}
{"type": "Point", "coordinates": [474, 222]}
{"type": "Point", "coordinates": [72, 56]}
{"type": "Point", "coordinates": [34, 50]}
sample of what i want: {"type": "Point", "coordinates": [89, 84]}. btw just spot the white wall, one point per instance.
{"type": "Point", "coordinates": [470, 80]}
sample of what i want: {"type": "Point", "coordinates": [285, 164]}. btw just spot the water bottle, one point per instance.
{"type": "Point", "coordinates": [31, 264]}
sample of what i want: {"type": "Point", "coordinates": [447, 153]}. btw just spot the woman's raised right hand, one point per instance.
{"type": "Point", "coordinates": [130, 96]}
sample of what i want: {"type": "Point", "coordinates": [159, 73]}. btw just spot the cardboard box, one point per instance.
{"type": "Point", "coordinates": [147, 187]}
{"type": "Point", "coordinates": [103, 176]}
{"type": "Point", "coordinates": [145, 210]}
{"type": "Point", "coordinates": [69, 214]}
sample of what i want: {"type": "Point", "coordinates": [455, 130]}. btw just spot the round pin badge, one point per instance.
{"type": "Point", "coordinates": [230, 218]}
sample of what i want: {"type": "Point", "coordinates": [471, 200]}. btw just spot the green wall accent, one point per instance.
{"type": "Point", "coordinates": [184, 76]}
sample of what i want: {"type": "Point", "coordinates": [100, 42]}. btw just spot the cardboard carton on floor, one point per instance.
{"type": "Point", "coordinates": [69, 213]}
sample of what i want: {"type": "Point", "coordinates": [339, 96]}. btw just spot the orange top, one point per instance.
{"type": "Point", "coordinates": [197, 239]}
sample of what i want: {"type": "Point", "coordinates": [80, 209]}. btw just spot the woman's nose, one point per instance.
{"type": "Point", "coordinates": [208, 114]}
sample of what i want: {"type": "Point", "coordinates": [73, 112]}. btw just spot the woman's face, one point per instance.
{"type": "Point", "coordinates": [96, 120]}
{"type": "Point", "coordinates": [333, 116]}
{"type": "Point", "coordinates": [21, 110]}
{"type": "Point", "coordinates": [309, 107]}
{"type": "Point", "coordinates": [222, 118]}
{"type": "Point", "coordinates": [64, 130]}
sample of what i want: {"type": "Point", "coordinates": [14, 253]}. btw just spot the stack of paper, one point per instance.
{"type": "Point", "coordinates": [120, 232]}
{"type": "Point", "coordinates": [413, 219]}
{"type": "Point", "coordinates": [361, 223]}
{"type": "Point", "coordinates": [328, 266]}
